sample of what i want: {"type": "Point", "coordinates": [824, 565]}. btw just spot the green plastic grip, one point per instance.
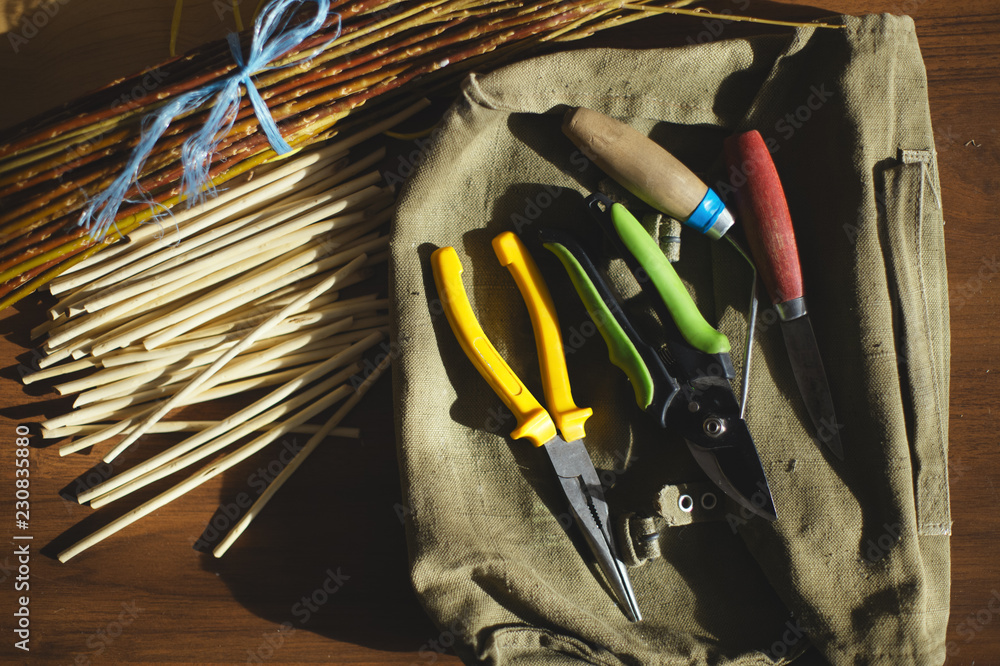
{"type": "Point", "coordinates": [698, 332]}
{"type": "Point", "coordinates": [621, 351]}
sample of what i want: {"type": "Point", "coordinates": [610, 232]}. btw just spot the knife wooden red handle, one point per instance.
{"type": "Point", "coordinates": [766, 221]}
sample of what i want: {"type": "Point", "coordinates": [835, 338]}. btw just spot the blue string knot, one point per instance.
{"type": "Point", "coordinates": [272, 38]}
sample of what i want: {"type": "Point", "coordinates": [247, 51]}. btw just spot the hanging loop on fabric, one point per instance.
{"type": "Point", "coordinates": [272, 38]}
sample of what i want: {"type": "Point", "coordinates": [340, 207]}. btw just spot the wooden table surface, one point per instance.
{"type": "Point", "coordinates": [146, 595]}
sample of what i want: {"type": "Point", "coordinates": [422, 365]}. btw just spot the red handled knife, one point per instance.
{"type": "Point", "coordinates": [768, 226]}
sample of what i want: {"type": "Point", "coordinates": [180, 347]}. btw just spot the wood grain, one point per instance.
{"type": "Point", "coordinates": [631, 158]}
{"type": "Point", "coordinates": [765, 217]}
{"type": "Point", "coordinates": [147, 596]}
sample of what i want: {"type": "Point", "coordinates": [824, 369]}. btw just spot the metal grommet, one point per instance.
{"type": "Point", "coordinates": [714, 426]}
{"type": "Point", "coordinates": [685, 503]}
{"type": "Point", "coordinates": [709, 501]}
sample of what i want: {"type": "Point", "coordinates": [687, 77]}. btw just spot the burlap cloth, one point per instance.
{"type": "Point", "coordinates": [857, 563]}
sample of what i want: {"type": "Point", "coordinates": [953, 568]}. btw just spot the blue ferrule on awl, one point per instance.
{"type": "Point", "coordinates": [710, 217]}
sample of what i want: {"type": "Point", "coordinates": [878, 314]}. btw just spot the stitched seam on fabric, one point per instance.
{"type": "Point", "coordinates": [571, 647]}
{"type": "Point", "coordinates": [924, 158]}
{"type": "Point", "coordinates": [649, 97]}
{"type": "Point", "coordinates": [934, 190]}
{"type": "Point", "coordinates": [482, 99]}
{"type": "Point", "coordinates": [927, 323]}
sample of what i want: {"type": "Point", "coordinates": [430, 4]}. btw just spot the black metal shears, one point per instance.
{"type": "Point", "coordinates": [683, 384]}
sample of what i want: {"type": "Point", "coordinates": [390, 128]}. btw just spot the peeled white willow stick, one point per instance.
{"type": "Point", "coordinates": [229, 243]}
{"type": "Point", "coordinates": [65, 369]}
{"type": "Point", "coordinates": [223, 245]}
{"type": "Point", "coordinates": [358, 192]}
{"type": "Point", "coordinates": [291, 234]}
{"type": "Point", "coordinates": [196, 383]}
{"type": "Point", "coordinates": [289, 469]}
{"type": "Point", "coordinates": [300, 166]}
{"type": "Point", "coordinates": [129, 406]}
{"type": "Point", "coordinates": [170, 427]}
{"type": "Point", "coordinates": [108, 376]}
{"type": "Point", "coordinates": [179, 288]}
{"type": "Point", "coordinates": [267, 303]}
{"type": "Point", "coordinates": [120, 315]}
{"type": "Point", "coordinates": [185, 454]}
{"type": "Point", "coordinates": [143, 240]}
{"type": "Point", "coordinates": [185, 426]}
{"type": "Point", "coordinates": [250, 363]}
{"type": "Point", "coordinates": [130, 418]}
{"type": "Point", "coordinates": [120, 381]}
{"type": "Point", "coordinates": [154, 258]}
{"type": "Point", "coordinates": [250, 288]}
{"type": "Point", "coordinates": [191, 356]}
{"type": "Point", "coordinates": [294, 164]}
{"type": "Point", "coordinates": [101, 435]}
{"type": "Point", "coordinates": [266, 410]}
{"type": "Point", "coordinates": [151, 257]}
{"type": "Point", "coordinates": [134, 257]}
{"type": "Point", "coordinates": [247, 366]}
{"type": "Point", "coordinates": [47, 326]}
{"type": "Point", "coordinates": [332, 309]}
{"type": "Point", "coordinates": [133, 416]}
{"type": "Point", "coordinates": [204, 474]}
{"type": "Point", "coordinates": [284, 254]}
{"type": "Point", "coordinates": [235, 322]}
{"type": "Point", "coordinates": [54, 355]}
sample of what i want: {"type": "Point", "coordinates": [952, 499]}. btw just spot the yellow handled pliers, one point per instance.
{"type": "Point", "coordinates": [570, 460]}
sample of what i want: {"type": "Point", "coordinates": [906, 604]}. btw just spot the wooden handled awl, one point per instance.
{"type": "Point", "coordinates": [647, 170]}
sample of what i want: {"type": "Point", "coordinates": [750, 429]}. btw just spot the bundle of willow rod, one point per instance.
{"type": "Point", "coordinates": [241, 293]}
{"type": "Point", "coordinates": [388, 53]}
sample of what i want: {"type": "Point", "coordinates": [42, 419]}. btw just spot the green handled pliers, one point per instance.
{"type": "Point", "coordinates": [684, 384]}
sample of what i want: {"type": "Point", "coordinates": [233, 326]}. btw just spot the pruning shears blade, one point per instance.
{"type": "Point", "coordinates": [723, 447]}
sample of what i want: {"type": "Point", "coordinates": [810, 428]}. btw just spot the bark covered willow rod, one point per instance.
{"type": "Point", "coordinates": [390, 50]}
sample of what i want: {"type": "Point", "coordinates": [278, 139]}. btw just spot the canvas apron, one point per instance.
{"type": "Point", "coordinates": [857, 564]}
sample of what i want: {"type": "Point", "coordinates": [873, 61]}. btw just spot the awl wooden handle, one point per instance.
{"type": "Point", "coordinates": [646, 170]}
{"type": "Point", "coordinates": [767, 222]}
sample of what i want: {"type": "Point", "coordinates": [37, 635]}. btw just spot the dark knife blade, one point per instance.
{"type": "Point", "coordinates": [810, 375]}
{"type": "Point", "coordinates": [768, 226]}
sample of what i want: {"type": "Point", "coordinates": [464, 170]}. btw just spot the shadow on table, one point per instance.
{"type": "Point", "coordinates": [328, 553]}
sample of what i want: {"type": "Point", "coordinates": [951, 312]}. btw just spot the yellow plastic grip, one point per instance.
{"type": "Point", "coordinates": [551, 358]}
{"type": "Point", "coordinates": [533, 422]}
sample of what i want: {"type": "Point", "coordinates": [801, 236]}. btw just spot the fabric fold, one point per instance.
{"type": "Point", "coordinates": [857, 564]}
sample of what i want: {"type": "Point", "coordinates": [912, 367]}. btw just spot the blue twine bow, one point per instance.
{"type": "Point", "coordinates": [271, 39]}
